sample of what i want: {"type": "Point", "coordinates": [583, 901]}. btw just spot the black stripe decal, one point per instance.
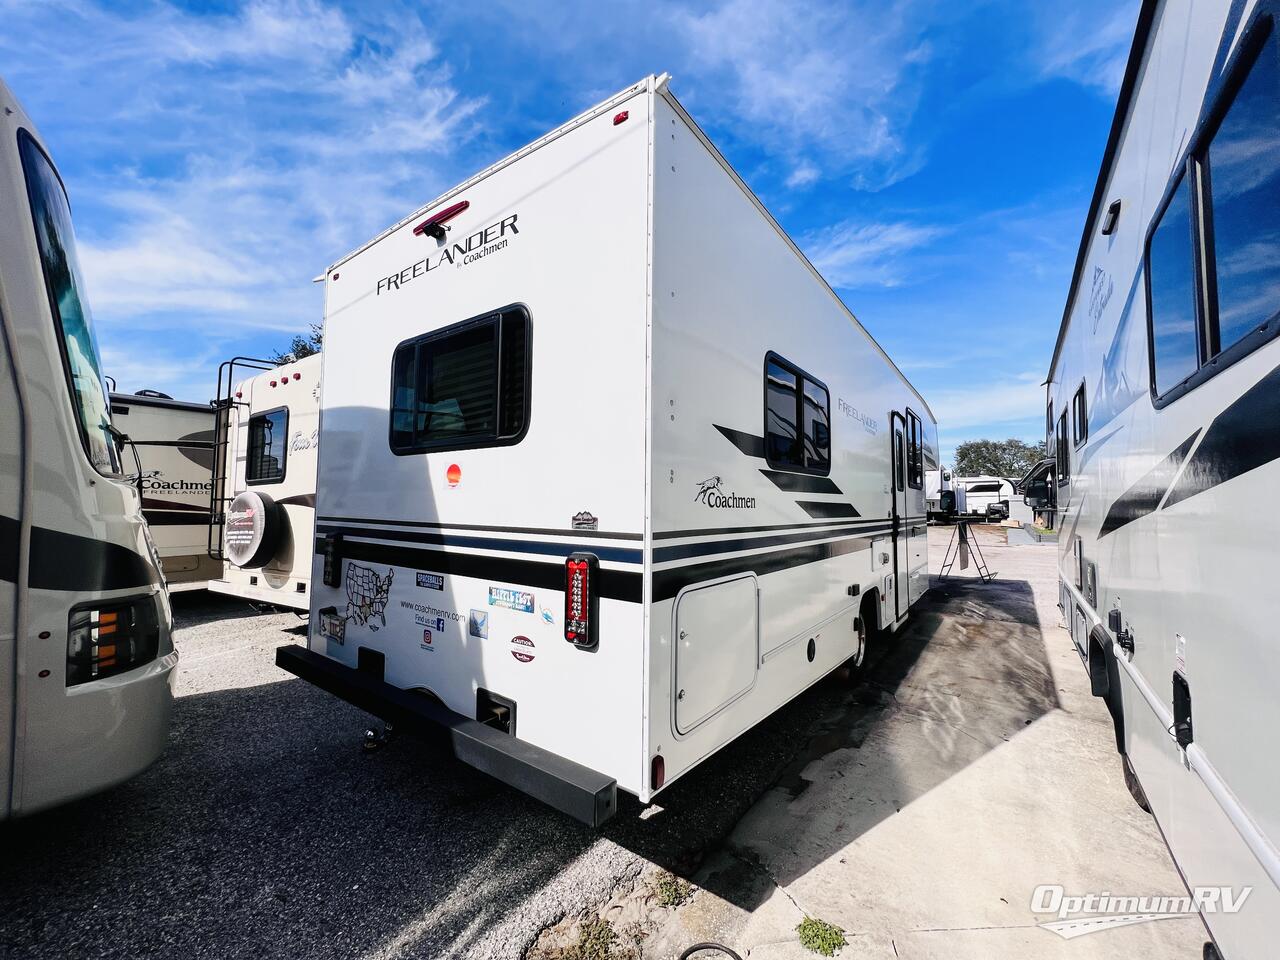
{"type": "Point", "coordinates": [835, 525]}
{"type": "Point", "coordinates": [686, 550]}
{"type": "Point", "coordinates": [618, 554]}
{"type": "Point", "coordinates": [533, 531]}
{"type": "Point", "coordinates": [822, 508]}
{"type": "Point", "coordinates": [1241, 438]}
{"type": "Point", "coordinates": [1145, 495]}
{"type": "Point", "coordinates": [175, 518]}
{"type": "Point", "coordinates": [667, 583]}
{"type": "Point", "coordinates": [801, 482]}
{"type": "Point", "coordinates": [748, 443]}
{"type": "Point", "coordinates": [299, 500]}
{"type": "Point", "coordinates": [623, 585]}
{"type": "Point", "coordinates": [9, 531]}
{"type": "Point", "coordinates": [67, 561]}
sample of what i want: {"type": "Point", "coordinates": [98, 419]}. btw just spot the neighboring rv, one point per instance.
{"type": "Point", "coordinates": [174, 441]}
{"type": "Point", "coordinates": [1164, 393]}
{"type": "Point", "coordinates": [608, 473]}
{"type": "Point", "coordinates": [939, 495]}
{"type": "Point", "coordinates": [984, 497]}
{"type": "Point", "coordinates": [264, 480]}
{"type": "Point", "coordinates": [85, 679]}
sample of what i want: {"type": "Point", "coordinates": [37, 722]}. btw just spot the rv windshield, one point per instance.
{"type": "Point", "coordinates": [56, 241]}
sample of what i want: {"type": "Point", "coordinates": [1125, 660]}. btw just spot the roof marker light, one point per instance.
{"type": "Point", "coordinates": [273, 383]}
{"type": "Point", "coordinates": [297, 376]}
{"type": "Point", "coordinates": [434, 226]}
{"type": "Point", "coordinates": [621, 117]}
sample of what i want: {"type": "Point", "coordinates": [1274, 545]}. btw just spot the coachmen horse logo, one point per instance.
{"type": "Point", "coordinates": [706, 488]}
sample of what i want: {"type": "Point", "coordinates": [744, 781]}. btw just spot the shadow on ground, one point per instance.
{"type": "Point", "coordinates": [265, 830]}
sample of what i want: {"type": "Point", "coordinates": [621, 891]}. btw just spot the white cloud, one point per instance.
{"type": "Point", "coordinates": [851, 255]}
{"type": "Point", "coordinates": [828, 87]}
{"type": "Point", "coordinates": [1087, 42]}
{"type": "Point", "coordinates": [999, 401]}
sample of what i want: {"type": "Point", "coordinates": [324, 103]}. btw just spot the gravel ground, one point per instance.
{"type": "Point", "coordinates": [266, 831]}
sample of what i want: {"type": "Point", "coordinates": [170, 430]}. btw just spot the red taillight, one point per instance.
{"type": "Point", "coordinates": [657, 773]}
{"type": "Point", "coordinates": [621, 117]}
{"type": "Point", "coordinates": [433, 226]}
{"type": "Point", "coordinates": [580, 627]}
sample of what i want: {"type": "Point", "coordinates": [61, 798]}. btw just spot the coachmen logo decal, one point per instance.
{"type": "Point", "coordinates": [709, 492]}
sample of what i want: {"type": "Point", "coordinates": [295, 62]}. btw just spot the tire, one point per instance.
{"type": "Point", "coordinates": [1135, 787]}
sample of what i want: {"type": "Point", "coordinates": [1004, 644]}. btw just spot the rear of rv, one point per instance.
{"type": "Point", "coordinates": [483, 453]}
{"type": "Point", "coordinates": [264, 482]}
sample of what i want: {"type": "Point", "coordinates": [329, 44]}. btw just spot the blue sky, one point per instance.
{"type": "Point", "coordinates": [934, 160]}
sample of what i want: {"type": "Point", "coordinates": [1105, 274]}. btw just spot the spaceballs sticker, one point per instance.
{"type": "Point", "coordinates": [432, 581]}
{"type": "Point", "coordinates": [518, 600]}
{"type": "Point", "coordinates": [522, 649]}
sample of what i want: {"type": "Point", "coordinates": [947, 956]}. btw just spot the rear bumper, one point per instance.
{"type": "Point", "coordinates": [569, 787]}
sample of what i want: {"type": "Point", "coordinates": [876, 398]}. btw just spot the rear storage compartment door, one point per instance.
{"type": "Point", "coordinates": [717, 648]}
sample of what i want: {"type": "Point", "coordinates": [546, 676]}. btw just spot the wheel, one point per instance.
{"type": "Point", "coordinates": [1135, 788]}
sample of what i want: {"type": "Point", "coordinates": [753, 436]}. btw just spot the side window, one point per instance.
{"type": "Point", "coordinates": [466, 385]}
{"type": "Point", "coordinates": [899, 459]}
{"type": "Point", "coordinates": [915, 453]}
{"type": "Point", "coordinates": [1242, 204]}
{"type": "Point", "coordinates": [797, 419]}
{"type": "Point", "coordinates": [267, 447]}
{"type": "Point", "coordinates": [1079, 418]}
{"type": "Point", "coordinates": [1064, 451]}
{"type": "Point", "coordinates": [1206, 315]}
{"type": "Point", "coordinates": [1048, 424]}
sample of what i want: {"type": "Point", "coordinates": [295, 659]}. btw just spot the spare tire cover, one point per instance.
{"type": "Point", "coordinates": [252, 529]}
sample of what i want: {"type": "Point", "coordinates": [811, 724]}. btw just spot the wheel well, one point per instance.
{"type": "Point", "coordinates": [869, 610]}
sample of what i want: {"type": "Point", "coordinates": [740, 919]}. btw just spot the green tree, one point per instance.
{"type": "Point", "coordinates": [997, 458]}
{"type": "Point", "coordinates": [301, 346]}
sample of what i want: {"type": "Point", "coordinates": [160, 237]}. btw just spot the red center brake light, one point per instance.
{"type": "Point", "coordinates": [580, 605]}
{"type": "Point", "coordinates": [434, 225]}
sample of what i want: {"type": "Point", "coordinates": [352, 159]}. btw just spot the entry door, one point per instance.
{"type": "Point", "coordinates": [901, 560]}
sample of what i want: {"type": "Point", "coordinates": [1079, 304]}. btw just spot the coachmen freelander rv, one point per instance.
{"type": "Point", "coordinates": [264, 480]}
{"type": "Point", "coordinates": [86, 660]}
{"type": "Point", "coordinates": [175, 446]}
{"type": "Point", "coordinates": [1164, 389]}
{"type": "Point", "coordinates": [607, 472]}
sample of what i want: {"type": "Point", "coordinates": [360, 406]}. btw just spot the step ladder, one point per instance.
{"type": "Point", "coordinates": [224, 404]}
{"type": "Point", "coordinates": [963, 545]}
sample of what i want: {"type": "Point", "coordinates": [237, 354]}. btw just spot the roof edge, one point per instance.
{"type": "Point", "coordinates": [1128, 86]}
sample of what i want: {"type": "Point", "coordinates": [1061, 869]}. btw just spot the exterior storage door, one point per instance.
{"type": "Point", "coordinates": [717, 648]}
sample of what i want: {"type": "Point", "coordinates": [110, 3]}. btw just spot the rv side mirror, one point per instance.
{"type": "Point", "coordinates": [1036, 493]}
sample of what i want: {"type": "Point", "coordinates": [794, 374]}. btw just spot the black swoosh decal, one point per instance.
{"type": "Point", "coordinates": [1145, 495]}
{"type": "Point", "coordinates": [1241, 438]}
{"type": "Point", "coordinates": [824, 509]}
{"type": "Point", "coordinates": [749, 444]}
{"type": "Point", "coordinates": [686, 550]}
{"type": "Point", "coordinates": [67, 561]}
{"type": "Point", "coordinates": [801, 482]}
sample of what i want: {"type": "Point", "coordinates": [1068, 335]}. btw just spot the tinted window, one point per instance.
{"type": "Point", "coordinates": [65, 285]}
{"type": "Point", "coordinates": [464, 386]}
{"type": "Point", "coordinates": [781, 386]}
{"type": "Point", "coordinates": [983, 488]}
{"type": "Point", "coordinates": [915, 452]}
{"type": "Point", "coordinates": [899, 459]}
{"type": "Point", "coordinates": [791, 398]}
{"type": "Point", "coordinates": [267, 450]}
{"type": "Point", "coordinates": [1063, 463]}
{"type": "Point", "coordinates": [1244, 183]}
{"type": "Point", "coordinates": [1080, 417]}
{"type": "Point", "coordinates": [1170, 273]}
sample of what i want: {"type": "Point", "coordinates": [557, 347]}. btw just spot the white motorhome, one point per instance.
{"type": "Point", "coordinates": [264, 480]}
{"type": "Point", "coordinates": [174, 441]}
{"type": "Point", "coordinates": [1164, 399]}
{"type": "Point", "coordinates": [939, 494]}
{"type": "Point", "coordinates": [608, 473]}
{"type": "Point", "coordinates": [86, 657]}
{"type": "Point", "coordinates": [984, 496]}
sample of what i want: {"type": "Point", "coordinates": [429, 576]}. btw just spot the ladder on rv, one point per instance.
{"type": "Point", "coordinates": [964, 544]}
{"type": "Point", "coordinates": [227, 400]}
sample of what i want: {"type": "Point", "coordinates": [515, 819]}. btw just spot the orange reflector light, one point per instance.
{"type": "Point", "coordinates": [107, 616]}
{"type": "Point", "coordinates": [106, 628]}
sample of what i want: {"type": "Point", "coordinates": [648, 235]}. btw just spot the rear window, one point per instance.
{"type": "Point", "coordinates": [267, 448]}
{"type": "Point", "coordinates": [464, 386]}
